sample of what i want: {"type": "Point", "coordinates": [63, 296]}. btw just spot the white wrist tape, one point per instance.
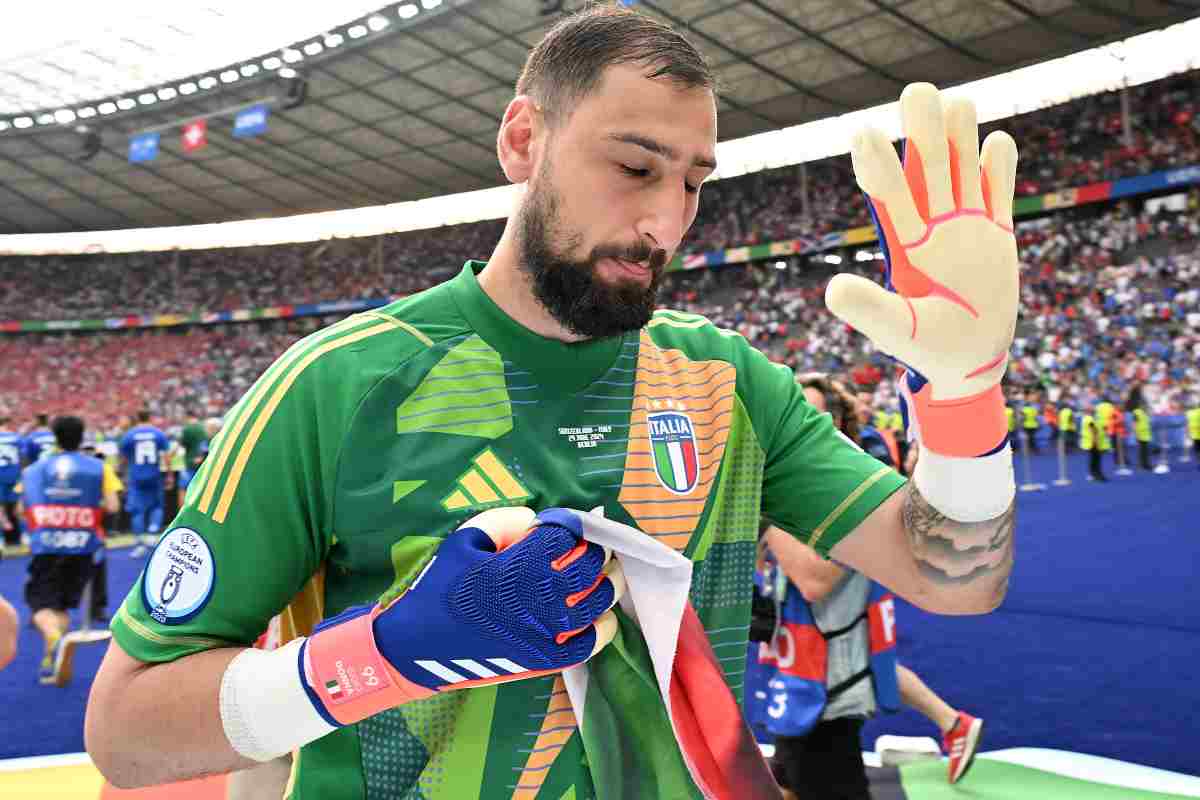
{"type": "Point", "coordinates": [264, 708]}
{"type": "Point", "coordinates": [967, 489]}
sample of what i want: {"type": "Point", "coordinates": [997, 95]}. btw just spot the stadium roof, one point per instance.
{"type": "Point", "coordinates": [66, 59]}
{"type": "Point", "coordinates": [403, 103]}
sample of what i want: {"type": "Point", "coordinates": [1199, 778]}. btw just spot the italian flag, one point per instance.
{"type": "Point", "coordinates": [676, 463]}
{"type": "Point", "coordinates": [696, 747]}
{"type": "Point", "coordinates": [656, 717]}
{"type": "Point", "coordinates": [333, 688]}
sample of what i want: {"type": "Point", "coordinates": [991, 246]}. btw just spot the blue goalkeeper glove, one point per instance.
{"type": "Point", "coordinates": [509, 595]}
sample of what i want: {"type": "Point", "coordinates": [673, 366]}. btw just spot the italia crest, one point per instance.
{"type": "Point", "coordinates": [673, 444]}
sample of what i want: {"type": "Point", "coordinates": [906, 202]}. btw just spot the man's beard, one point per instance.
{"type": "Point", "coordinates": [572, 291]}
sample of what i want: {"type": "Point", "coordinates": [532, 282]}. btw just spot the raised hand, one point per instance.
{"type": "Point", "coordinates": [945, 224]}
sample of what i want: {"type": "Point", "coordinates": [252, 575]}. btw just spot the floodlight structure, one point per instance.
{"type": "Point", "coordinates": [90, 143]}
{"type": "Point", "coordinates": [295, 91]}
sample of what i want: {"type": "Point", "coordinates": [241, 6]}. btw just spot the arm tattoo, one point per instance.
{"type": "Point", "coordinates": [950, 552]}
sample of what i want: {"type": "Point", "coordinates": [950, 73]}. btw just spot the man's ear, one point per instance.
{"type": "Point", "coordinates": [517, 139]}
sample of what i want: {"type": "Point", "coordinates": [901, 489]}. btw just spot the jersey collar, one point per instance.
{"type": "Point", "coordinates": [569, 366]}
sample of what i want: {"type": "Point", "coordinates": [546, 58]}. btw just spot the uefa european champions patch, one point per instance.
{"type": "Point", "coordinates": [179, 578]}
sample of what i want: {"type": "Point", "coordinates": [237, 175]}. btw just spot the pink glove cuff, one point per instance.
{"type": "Point", "coordinates": [965, 427]}
{"type": "Point", "coordinates": [350, 676]}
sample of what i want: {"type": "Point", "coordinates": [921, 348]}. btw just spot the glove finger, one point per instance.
{"type": "Point", "coordinates": [504, 526]}
{"type": "Point", "coordinates": [584, 608]}
{"type": "Point", "coordinates": [926, 149]}
{"type": "Point", "coordinates": [962, 128]}
{"type": "Point", "coordinates": [882, 316]}
{"type": "Point", "coordinates": [999, 161]}
{"type": "Point", "coordinates": [879, 174]}
{"type": "Point", "coordinates": [580, 566]}
{"type": "Point", "coordinates": [606, 631]}
{"type": "Point", "coordinates": [587, 606]}
{"type": "Point", "coordinates": [616, 574]}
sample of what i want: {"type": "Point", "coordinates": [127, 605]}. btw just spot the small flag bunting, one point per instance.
{"type": "Point", "coordinates": [195, 135]}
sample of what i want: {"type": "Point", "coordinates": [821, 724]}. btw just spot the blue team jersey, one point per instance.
{"type": "Point", "coordinates": [62, 496]}
{"type": "Point", "coordinates": [36, 443]}
{"type": "Point", "coordinates": [10, 457]}
{"type": "Point", "coordinates": [143, 446]}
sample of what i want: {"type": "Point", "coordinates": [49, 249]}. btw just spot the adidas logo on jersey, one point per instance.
{"type": "Point", "coordinates": [487, 483]}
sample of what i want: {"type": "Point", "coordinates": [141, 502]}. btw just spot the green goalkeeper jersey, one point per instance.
{"type": "Point", "coordinates": [384, 432]}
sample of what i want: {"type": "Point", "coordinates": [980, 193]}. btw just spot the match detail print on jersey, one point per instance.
{"type": "Point", "coordinates": [678, 429]}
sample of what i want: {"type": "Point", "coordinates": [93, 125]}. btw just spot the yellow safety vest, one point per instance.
{"type": "Point", "coordinates": [1087, 433]}
{"type": "Point", "coordinates": [881, 420]}
{"type": "Point", "coordinates": [1141, 424]}
{"type": "Point", "coordinates": [897, 421]}
{"type": "Point", "coordinates": [1104, 413]}
{"type": "Point", "coordinates": [1193, 420]}
{"type": "Point", "coordinates": [1012, 421]}
{"type": "Point", "coordinates": [1030, 415]}
{"type": "Point", "coordinates": [111, 483]}
{"type": "Point", "coordinates": [1066, 420]}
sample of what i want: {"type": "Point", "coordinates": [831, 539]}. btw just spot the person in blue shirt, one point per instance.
{"type": "Point", "coordinates": [144, 449]}
{"type": "Point", "coordinates": [10, 475]}
{"type": "Point", "coordinates": [37, 441]}
{"type": "Point", "coordinates": [64, 497]}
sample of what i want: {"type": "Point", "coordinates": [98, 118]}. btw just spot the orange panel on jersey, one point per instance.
{"type": "Point", "coordinates": [677, 434]}
{"type": "Point", "coordinates": [557, 728]}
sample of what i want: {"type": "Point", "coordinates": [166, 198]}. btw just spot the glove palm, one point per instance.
{"type": "Point", "coordinates": [949, 308]}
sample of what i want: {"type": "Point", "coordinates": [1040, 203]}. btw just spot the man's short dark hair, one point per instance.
{"type": "Point", "coordinates": [569, 62]}
{"type": "Point", "coordinates": [43, 419]}
{"type": "Point", "coordinates": [144, 415]}
{"type": "Point", "coordinates": [68, 432]}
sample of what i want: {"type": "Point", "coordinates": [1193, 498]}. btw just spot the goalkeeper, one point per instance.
{"type": "Point", "coordinates": [341, 482]}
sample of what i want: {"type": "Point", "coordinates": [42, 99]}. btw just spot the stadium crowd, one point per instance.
{"type": "Point", "coordinates": [1109, 292]}
{"type": "Point", "coordinates": [1109, 298]}
{"type": "Point", "coordinates": [175, 373]}
{"type": "Point", "coordinates": [128, 284]}
{"type": "Point", "coordinates": [1083, 141]}
{"type": "Point", "coordinates": [1070, 144]}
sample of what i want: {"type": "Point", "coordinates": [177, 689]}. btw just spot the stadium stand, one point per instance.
{"type": "Point", "coordinates": [760, 207]}
{"type": "Point", "coordinates": [1110, 300]}
{"type": "Point", "coordinates": [1109, 297]}
{"type": "Point", "coordinates": [173, 372]}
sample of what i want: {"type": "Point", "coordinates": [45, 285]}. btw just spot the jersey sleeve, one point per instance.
{"type": "Point", "coordinates": [256, 521]}
{"type": "Point", "coordinates": [817, 484]}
